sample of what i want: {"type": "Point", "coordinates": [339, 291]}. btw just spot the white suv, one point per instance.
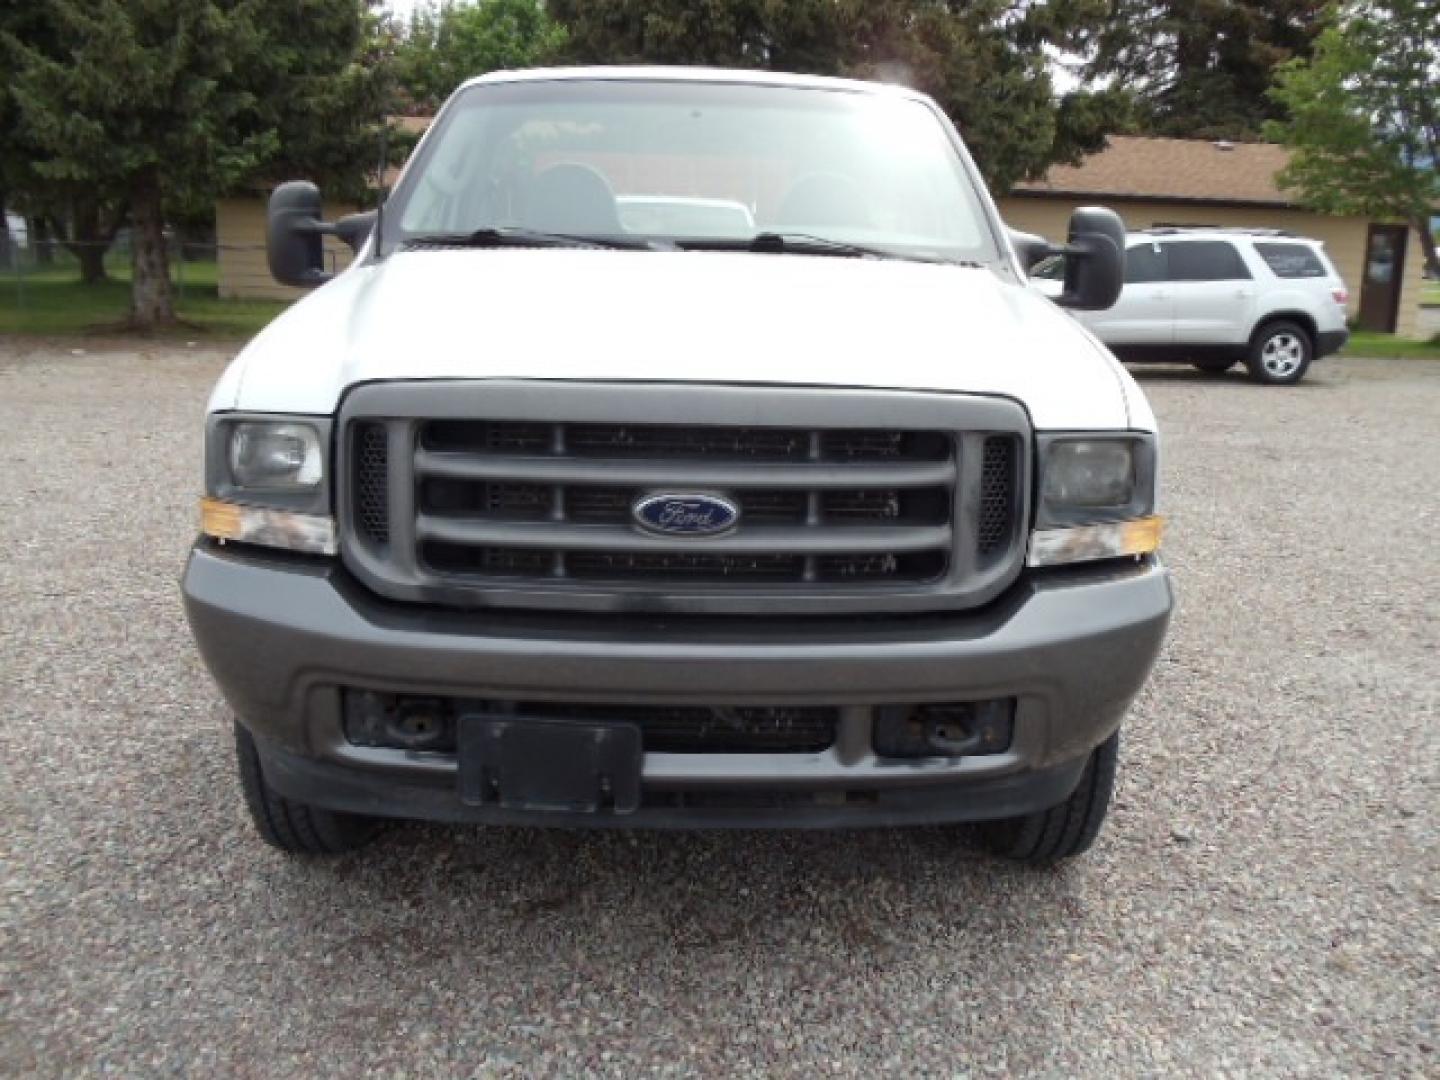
{"type": "Point", "coordinates": [1216, 297]}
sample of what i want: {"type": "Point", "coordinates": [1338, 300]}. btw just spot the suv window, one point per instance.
{"type": "Point", "coordinates": [1206, 260]}
{"type": "Point", "coordinates": [1291, 260]}
{"type": "Point", "coordinates": [1144, 262]}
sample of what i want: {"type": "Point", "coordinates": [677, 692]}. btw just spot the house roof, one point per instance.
{"type": "Point", "coordinates": [1191, 170]}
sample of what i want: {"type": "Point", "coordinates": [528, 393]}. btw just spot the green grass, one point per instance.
{"type": "Point", "coordinates": [54, 302]}
{"type": "Point", "coordinates": [1430, 294]}
{"type": "Point", "coordinates": [1369, 343]}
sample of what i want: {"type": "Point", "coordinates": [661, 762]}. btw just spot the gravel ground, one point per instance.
{"type": "Point", "coordinates": [1263, 900]}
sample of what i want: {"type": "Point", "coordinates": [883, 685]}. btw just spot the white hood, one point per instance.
{"type": "Point", "coordinates": [545, 313]}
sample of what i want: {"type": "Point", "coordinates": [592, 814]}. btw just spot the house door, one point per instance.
{"type": "Point", "coordinates": [1384, 273]}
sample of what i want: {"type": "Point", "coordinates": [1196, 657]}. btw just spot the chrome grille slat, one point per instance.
{"type": "Point", "coordinates": [779, 540]}
{"type": "Point", "coordinates": [549, 470]}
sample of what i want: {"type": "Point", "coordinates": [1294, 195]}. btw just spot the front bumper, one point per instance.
{"type": "Point", "coordinates": [282, 635]}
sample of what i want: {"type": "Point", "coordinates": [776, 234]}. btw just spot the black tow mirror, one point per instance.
{"type": "Point", "coordinates": [1094, 260]}
{"type": "Point", "coordinates": [293, 235]}
{"type": "Point", "coordinates": [295, 232]}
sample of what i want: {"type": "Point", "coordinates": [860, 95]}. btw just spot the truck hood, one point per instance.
{"type": "Point", "coordinates": [720, 317]}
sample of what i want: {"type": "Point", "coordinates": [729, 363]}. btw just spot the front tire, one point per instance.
{"type": "Point", "coordinates": [1064, 831]}
{"type": "Point", "coordinates": [1280, 353]}
{"type": "Point", "coordinates": [294, 827]}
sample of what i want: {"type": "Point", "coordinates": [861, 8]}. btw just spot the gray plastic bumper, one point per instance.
{"type": "Point", "coordinates": [282, 635]}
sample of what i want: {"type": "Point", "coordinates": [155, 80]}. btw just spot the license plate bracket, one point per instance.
{"type": "Point", "coordinates": [556, 766]}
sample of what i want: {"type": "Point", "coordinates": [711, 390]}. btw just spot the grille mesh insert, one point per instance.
{"type": "Point", "coordinates": [997, 495]}
{"type": "Point", "coordinates": [372, 483]}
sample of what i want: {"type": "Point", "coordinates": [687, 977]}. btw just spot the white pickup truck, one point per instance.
{"type": "Point", "coordinates": [682, 449]}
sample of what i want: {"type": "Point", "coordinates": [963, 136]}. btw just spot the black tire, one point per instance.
{"type": "Point", "coordinates": [1280, 353]}
{"type": "Point", "coordinates": [1213, 367]}
{"type": "Point", "coordinates": [294, 827]}
{"type": "Point", "coordinates": [1063, 831]}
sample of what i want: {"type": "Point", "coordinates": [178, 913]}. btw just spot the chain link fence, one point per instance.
{"type": "Point", "coordinates": [32, 270]}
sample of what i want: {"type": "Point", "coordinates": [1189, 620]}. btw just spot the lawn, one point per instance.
{"type": "Point", "coordinates": [53, 301]}
{"type": "Point", "coordinates": [1369, 343]}
{"type": "Point", "coordinates": [1430, 294]}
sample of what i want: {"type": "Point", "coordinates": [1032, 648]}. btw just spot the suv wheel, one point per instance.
{"type": "Point", "coordinates": [294, 827]}
{"type": "Point", "coordinates": [1063, 831]}
{"type": "Point", "coordinates": [1280, 353]}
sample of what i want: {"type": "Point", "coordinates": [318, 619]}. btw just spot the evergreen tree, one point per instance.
{"type": "Point", "coordinates": [156, 106]}
{"type": "Point", "coordinates": [1198, 69]}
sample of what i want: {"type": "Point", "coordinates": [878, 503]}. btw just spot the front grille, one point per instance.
{"type": "Point", "coordinates": [554, 500]}
{"type": "Point", "coordinates": [514, 510]}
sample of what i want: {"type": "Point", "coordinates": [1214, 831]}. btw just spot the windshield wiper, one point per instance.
{"type": "Point", "coordinates": [806, 244]}
{"type": "Point", "coordinates": [516, 236]}
{"type": "Point", "coordinates": [794, 243]}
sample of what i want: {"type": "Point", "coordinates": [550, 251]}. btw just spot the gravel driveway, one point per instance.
{"type": "Point", "coordinates": [1264, 900]}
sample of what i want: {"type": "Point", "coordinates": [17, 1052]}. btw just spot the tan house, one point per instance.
{"type": "Point", "coordinates": [1147, 181]}
{"type": "Point", "coordinates": [1151, 182]}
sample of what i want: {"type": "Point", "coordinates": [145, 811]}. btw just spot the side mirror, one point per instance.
{"type": "Point", "coordinates": [293, 234]}
{"type": "Point", "coordinates": [1094, 260]}
{"type": "Point", "coordinates": [295, 230]}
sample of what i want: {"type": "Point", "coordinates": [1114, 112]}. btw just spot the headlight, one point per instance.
{"type": "Point", "coordinates": [266, 481]}
{"type": "Point", "coordinates": [1084, 473]}
{"type": "Point", "coordinates": [287, 457]}
{"type": "Point", "coordinates": [1097, 498]}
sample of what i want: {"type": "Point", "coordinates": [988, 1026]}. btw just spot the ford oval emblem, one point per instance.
{"type": "Point", "coordinates": [685, 514]}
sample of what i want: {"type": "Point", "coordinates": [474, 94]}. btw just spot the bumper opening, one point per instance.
{"type": "Point", "coordinates": [417, 722]}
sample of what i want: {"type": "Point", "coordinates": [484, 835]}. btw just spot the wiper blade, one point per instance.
{"type": "Point", "coordinates": [793, 243]}
{"type": "Point", "coordinates": [807, 244]}
{"type": "Point", "coordinates": [516, 236]}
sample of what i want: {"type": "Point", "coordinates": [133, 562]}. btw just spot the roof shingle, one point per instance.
{"type": "Point", "coordinates": [1192, 169]}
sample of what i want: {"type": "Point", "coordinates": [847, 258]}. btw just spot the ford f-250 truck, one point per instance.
{"type": "Point", "coordinates": [682, 448]}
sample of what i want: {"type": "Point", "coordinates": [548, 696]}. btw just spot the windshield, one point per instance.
{"type": "Point", "coordinates": [691, 163]}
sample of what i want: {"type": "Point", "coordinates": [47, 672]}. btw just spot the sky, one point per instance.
{"type": "Point", "coordinates": [403, 8]}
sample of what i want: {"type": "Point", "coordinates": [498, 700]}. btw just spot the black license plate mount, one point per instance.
{"type": "Point", "coordinates": [556, 766]}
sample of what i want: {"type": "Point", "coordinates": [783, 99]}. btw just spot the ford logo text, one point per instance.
{"type": "Point", "coordinates": [685, 515]}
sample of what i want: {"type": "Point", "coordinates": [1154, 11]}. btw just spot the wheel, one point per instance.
{"type": "Point", "coordinates": [1280, 353]}
{"type": "Point", "coordinates": [1213, 367]}
{"type": "Point", "coordinates": [294, 827]}
{"type": "Point", "coordinates": [1062, 831]}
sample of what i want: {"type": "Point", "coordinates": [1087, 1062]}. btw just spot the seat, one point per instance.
{"type": "Point", "coordinates": [822, 199]}
{"type": "Point", "coordinates": [572, 198]}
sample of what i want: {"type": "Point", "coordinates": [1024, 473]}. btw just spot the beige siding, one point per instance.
{"type": "Point", "coordinates": [240, 237]}
{"type": "Point", "coordinates": [1344, 238]}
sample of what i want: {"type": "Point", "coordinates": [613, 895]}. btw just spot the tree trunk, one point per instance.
{"type": "Point", "coordinates": [1427, 244]}
{"type": "Point", "coordinates": [42, 240]}
{"type": "Point", "coordinates": [88, 244]}
{"type": "Point", "coordinates": [152, 304]}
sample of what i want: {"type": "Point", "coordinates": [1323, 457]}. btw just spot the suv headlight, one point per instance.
{"type": "Point", "coordinates": [267, 482]}
{"type": "Point", "coordinates": [1097, 498]}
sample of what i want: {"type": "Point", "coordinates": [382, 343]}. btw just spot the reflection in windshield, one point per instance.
{"type": "Point", "coordinates": [677, 161]}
